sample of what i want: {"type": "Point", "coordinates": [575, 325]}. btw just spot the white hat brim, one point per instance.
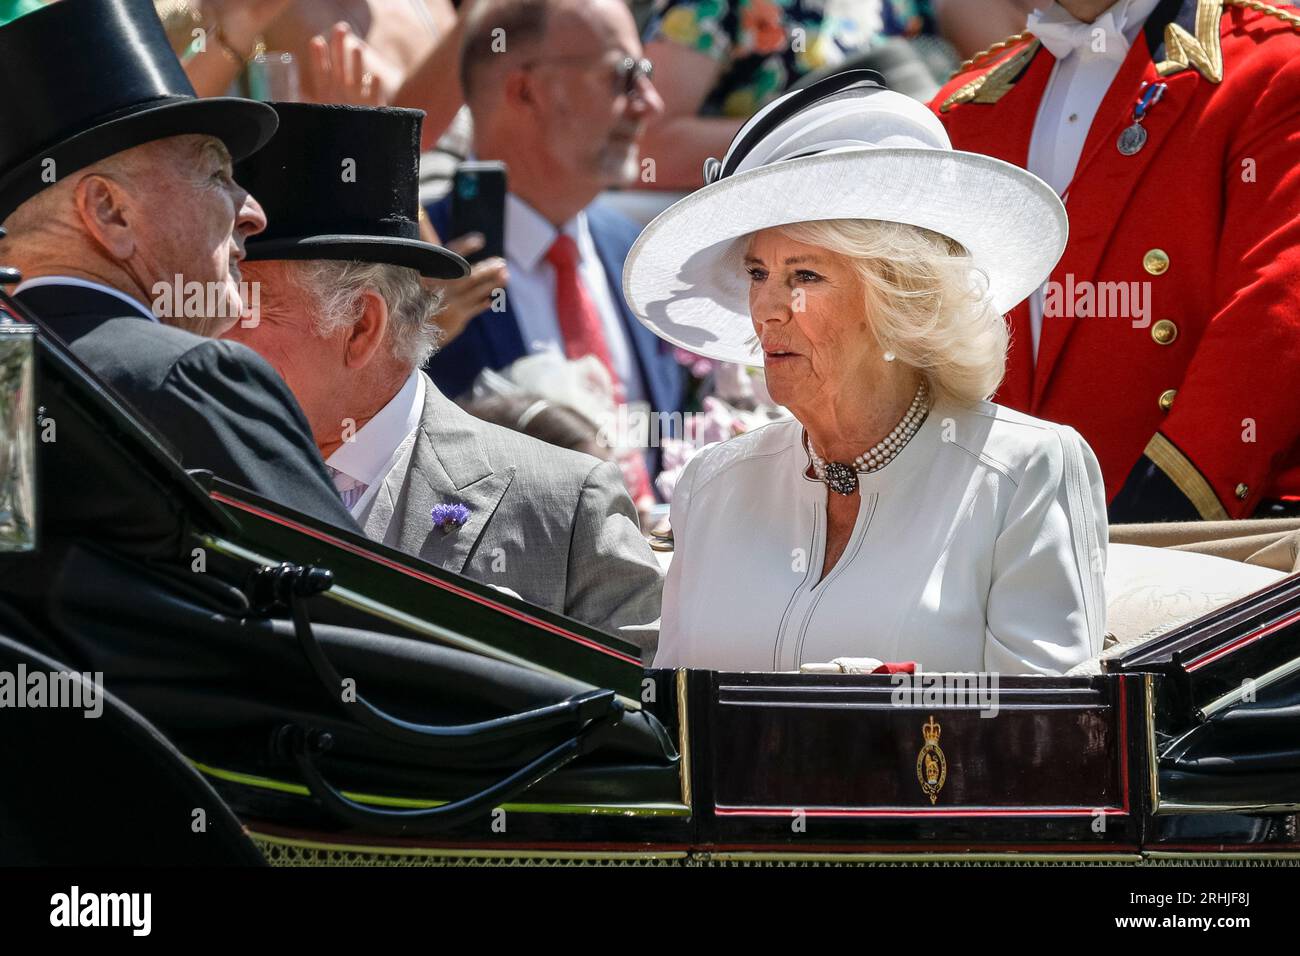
{"type": "Point", "coordinates": [1012, 223]}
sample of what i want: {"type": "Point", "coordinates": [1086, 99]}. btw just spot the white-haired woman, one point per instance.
{"type": "Point", "coordinates": [900, 516]}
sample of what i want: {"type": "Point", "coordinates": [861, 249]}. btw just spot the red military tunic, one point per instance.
{"type": "Point", "coordinates": [1207, 213]}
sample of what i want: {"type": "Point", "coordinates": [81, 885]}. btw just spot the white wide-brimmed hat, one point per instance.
{"type": "Point", "coordinates": [843, 148]}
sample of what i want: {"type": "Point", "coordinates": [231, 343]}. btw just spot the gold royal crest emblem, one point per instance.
{"type": "Point", "coordinates": [931, 765]}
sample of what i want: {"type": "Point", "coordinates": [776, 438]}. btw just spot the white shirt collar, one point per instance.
{"type": "Point", "coordinates": [86, 284]}
{"type": "Point", "coordinates": [529, 235]}
{"type": "Point", "coordinates": [370, 453]}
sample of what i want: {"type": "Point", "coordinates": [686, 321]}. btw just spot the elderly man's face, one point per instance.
{"type": "Point", "coordinates": [591, 125]}
{"type": "Point", "coordinates": [809, 312]}
{"type": "Point", "coordinates": [284, 335]}
{"type": "Point", "coordinates": [192, 220]}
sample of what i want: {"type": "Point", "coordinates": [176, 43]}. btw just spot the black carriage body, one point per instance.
{"type": "Point", "coordinates": [761, 767]}
{"type": "Point", "coordinates": [1188, 746]}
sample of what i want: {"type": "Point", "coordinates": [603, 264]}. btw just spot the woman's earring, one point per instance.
{"type": "Point", "coordinates": [890, 356]}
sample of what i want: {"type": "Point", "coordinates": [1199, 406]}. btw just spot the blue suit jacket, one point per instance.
{"type": "Point", "coordinates": [493, 339]}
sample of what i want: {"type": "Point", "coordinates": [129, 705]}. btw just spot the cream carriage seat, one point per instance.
{"type": "Point", "coordinates": [1150, 590]}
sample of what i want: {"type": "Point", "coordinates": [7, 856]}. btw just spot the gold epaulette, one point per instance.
{"type": "Point", "coordinates": [1204, 50]}
{"type": "Point", "coordinates": [983, 55]}
{"type": "Point", "coordinates": [1201, 51]}
{"type": "Point", "coordinates": [992, 86]}
{"type": "Point", "coordinates": [1290, 19]}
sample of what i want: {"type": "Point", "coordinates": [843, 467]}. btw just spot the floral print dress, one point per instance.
{"type": "Point", "coordinates": [764, 46]}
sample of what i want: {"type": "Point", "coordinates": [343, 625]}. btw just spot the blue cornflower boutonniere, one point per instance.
{"type": "Point", "coordinates": [449, 516]}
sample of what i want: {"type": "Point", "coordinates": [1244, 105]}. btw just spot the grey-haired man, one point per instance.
{"type": "Point", "coordinates": [347, 320]}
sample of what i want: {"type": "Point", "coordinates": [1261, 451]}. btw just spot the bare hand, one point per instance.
{"type": "Point", "coordinates": [338, 70]}
{"type": "Point", "coordinates": [465, 298]}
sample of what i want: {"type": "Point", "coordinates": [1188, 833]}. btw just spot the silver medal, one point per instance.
{"type": "Point", "coordinates": [1132, 139]}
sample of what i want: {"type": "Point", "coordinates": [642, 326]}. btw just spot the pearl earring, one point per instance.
{"type": "Point", "coordinates": [890, 356]}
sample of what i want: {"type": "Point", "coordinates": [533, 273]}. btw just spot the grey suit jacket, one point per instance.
{"type": "Point", "coordinates": [554, 526]}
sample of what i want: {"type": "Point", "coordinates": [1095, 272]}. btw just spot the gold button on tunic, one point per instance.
{"type": "Point", "coordinates": [1156, 261]}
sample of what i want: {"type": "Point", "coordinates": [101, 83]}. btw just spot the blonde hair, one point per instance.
{"type": "Point", "coordinates": [925, 300]}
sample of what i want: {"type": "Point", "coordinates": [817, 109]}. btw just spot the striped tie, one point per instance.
{"type": "Point", "coordinates": [350, 490]}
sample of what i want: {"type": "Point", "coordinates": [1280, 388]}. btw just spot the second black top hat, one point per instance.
{"type": "Point", "coordinates": [84, 79]}
{"type": "Point", "coordinates": [342, 182]}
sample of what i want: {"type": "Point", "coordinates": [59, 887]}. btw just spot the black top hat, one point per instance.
{"type": "Point", "coordinates": [85, 79]}
{"type": "Point", "coordinates": [343, 182]}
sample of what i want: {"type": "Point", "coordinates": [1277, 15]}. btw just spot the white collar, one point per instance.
{"type": "Point", "coordinates": [529, 235]}
{"type": "Point", "coordinates": [39, 281]}
{"type": "Point", "coordinates": [366, 457]}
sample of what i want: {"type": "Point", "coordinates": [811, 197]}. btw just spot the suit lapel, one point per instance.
{"type": "Point", "coordinates": [448, 466]}
{"type": "Point", "coordinates": [1003, 129]}
{"type": "Point", "coordinates": [1103, 182]}
{"type": "Point", "coordinates": [1145, 60]}
{"type": "Point", "coordinates": [380, 522]}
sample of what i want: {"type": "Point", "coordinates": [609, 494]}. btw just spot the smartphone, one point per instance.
{"type": "Point", "coordinates": [478, 204]}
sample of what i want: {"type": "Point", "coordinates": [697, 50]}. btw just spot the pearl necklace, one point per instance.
{"type": "Point", "coordinates": [843, 479]}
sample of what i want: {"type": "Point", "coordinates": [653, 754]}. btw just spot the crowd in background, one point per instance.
{"type": "Point", "coordinates": [712, 64]}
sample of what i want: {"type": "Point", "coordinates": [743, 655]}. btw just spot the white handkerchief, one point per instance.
{"type": "Point", "coordinates": [843, 665]}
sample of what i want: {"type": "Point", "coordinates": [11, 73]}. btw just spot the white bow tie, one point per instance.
{"type": "Point", "coordinates": [1103, 39]}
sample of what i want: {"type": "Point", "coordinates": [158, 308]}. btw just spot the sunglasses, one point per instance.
{"type": "Point", "coordinates": [625, 73]}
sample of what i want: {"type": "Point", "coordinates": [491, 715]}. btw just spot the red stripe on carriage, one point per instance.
{"type": "Point", "coordinates": [922, 812]}
{"type": "Point", "coordinates": [1240, 642]}
{"type": "Point", "coordinates": [1123, 740]}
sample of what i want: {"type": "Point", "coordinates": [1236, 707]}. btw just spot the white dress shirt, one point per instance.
{"type": "Point", "coordinates": [39, 281]}
{"type": "Point", "coordinates": [528, 237]}
{"type": "Point", "coordinates": [981, 547]}
{"type": "Point", "coordinates": [1074, 92]}
{"type": "Point", "coordinates": [381, 444]}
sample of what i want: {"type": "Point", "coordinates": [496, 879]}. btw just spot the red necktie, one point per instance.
{"type": "Point", "coordinates": [584, 334]}
{"type": "Point", "coordinates": [580, 324]}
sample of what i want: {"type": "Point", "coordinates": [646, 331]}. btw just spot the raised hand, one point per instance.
{"type": "Point", "coordinates": [339, 72]}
